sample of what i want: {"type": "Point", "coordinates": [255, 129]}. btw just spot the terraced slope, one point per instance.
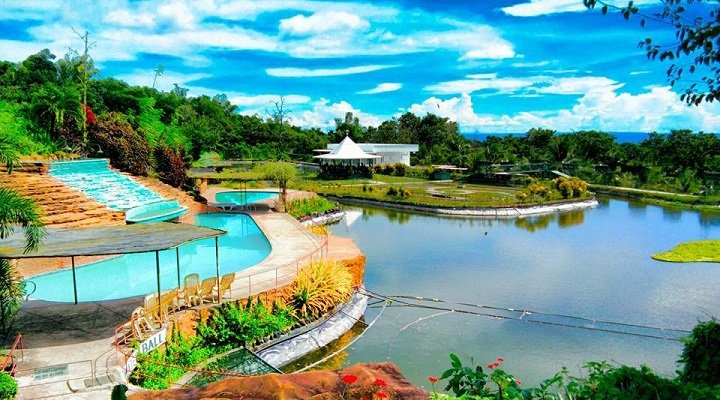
{"type": "Point", "coordinates": [61, 205]}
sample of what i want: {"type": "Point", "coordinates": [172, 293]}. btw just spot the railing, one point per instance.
{"type": "Point", "coordinates": [8, 362]}
{"type": "Point", "coordinates": [257, 283]}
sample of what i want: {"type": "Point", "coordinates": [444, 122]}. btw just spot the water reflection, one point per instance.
{"type": "Point", "coordinates": [334, 363]}
{"type": "Point", "coordinates": [594, 263]}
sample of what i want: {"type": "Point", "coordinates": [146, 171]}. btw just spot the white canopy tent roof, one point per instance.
{"type": "Point", "coordinates": [348, 150]}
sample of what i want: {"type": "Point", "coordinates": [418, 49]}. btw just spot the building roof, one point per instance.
{"type": "Point", "coordinates": [382, 147]}
{"type": "Point", "coordinates": [347, 150]}
{"type": "Point", "coordinates": [107, 240]}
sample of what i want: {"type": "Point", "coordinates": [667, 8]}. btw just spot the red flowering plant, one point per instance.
{"type": "Point", "coordinates": [379, 388]}
{"type": "Point", "coordinates": [89, 115]}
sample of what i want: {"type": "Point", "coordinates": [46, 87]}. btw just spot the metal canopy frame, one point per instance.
{"type": "Point", "coordinates": [115, 240]}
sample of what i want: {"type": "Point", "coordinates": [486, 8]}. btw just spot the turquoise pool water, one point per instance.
{"type": "Point", "coordinates": [98, 181]}
{"type": "Point", "coordinates": [134, 274]}
{"type": "Point", "coordinates": [242, 198]}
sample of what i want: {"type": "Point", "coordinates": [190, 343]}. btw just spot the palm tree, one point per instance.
{"type": "Point", "coordinates": [15, 210]}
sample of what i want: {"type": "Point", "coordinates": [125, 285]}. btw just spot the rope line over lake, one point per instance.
{"type": "Point", "coordinates": [506, 313]}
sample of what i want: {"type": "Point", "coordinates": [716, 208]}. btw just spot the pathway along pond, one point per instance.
{"type": "Point", "coordinates": [593, 263]}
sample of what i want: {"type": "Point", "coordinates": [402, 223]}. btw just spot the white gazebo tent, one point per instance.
{"type": "Point", "coordinates": [348, 153]}
{"type": "Point", "coordinates": [347, 158]}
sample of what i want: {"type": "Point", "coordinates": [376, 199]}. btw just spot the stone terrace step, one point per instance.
{"type": "Point", "coordinates": [61, 205]}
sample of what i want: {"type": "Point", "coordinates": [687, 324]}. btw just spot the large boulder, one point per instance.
{"type": "Point", "coordinates": [367, 380]}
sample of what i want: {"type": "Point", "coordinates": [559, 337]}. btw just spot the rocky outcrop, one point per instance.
{"type": "Point", "coordinates": [368, 380]}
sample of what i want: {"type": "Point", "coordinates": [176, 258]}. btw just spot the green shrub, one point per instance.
{"type": "Point", "coordinates": [315, 205]}
{"type": "Point", "coordinates": [170, 165]}
{"type": "Point", "coordinates": [126, 149]}
{"type": "Point", "coordinates": [400, 169]}
{"type": "Point", "coordinates": [8, 387]}
{"type": "Point", "coordinates": [159, 368]}
{"type": "Point", "coordinates": [701, 354]}
{"type": "Point", "coordinates": [570, 187]}
{"type": "Point", "coordinates": [235, 325]}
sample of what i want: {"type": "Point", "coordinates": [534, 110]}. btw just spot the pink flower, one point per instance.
{"type": "Point", "coordinates": [519, 382]}
{"type": "Point", "coordinates": [500, 359]}
{"type": "Point", "coordinates": [491, 366]}
{"type": "Point", "coordinates": [432, 379]}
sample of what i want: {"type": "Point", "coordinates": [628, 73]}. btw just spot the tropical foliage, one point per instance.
{"type": "Point", "coordinates": [317, 205]}
{"type": "Point", "coordinates": [8, 387]}
{"type": "Point", "coordinates": [319, 287]}
{"type": "Point", "coordinates": [699, 379]}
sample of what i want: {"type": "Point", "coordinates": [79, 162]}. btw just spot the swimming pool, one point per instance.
{"type": "Point", "coordinates": [241, 198]}
{"type": "Point", "coordinates": [96, 179]}
{"type": "Point", "coordinates": [134, 274]}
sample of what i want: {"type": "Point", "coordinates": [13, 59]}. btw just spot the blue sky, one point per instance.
{"type": "Point", "coordinates": [491, 65]}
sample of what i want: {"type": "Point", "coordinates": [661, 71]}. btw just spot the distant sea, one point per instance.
{"type": "Point", "coordinates": [621, 137]}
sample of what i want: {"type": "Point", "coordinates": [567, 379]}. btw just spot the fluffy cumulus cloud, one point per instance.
{"type": "Point", "coordinates": [658, 109]}
{"type": "Point", "coordinates": [383, 88]}
{"type": "Point", "coordinates": [322, 113]}
{"type": "Point", "coordinates": [534, 8]}
{"type": "Point", "coordinates": [322, 22]}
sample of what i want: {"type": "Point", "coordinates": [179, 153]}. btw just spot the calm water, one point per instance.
{"type": "Point", "coordinates": [241, 197]}
{"type": "Point", "coordinates": [134, 274]}
{"type": "Point", "coordinates": [594, 263]}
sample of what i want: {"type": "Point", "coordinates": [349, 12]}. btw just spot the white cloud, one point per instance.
{"type": "Point", "coordinates": [322, 22]}
{"type": "Point", "coordinates": [534, 8]}
{"type": "Point", "coordinates": [639, 72]}
{"type": "Point", "coordinates": [127, 18]}
{"type": "Point", "coordinates": [658, 109]}
{"type": "Point", "coordinates": [482, 82]}
{"type": "Point", "coordinates": [179, 13]}
{"type": "Point", "coordinates": [530, 64]}
{"type": "Point", "coordinates": [382, 88]}
{"type": "Point", "coordinates": [312, 73]}
{"type": "Point", "coordinates": [577, 85]}
{"type": "Point", "coordinates": [524, 85]}
{"type": "Point", "coordinates": [322, 115]}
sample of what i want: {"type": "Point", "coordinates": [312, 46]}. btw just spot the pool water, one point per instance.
{"type": "Point", "coordinates": [135, 274]}
{"type": "Point", "coordinates": [242, 198]}
{"type": "Point", "coordinates": [594, 263]}
{"type": "Point", "coordinates": [98, 181]}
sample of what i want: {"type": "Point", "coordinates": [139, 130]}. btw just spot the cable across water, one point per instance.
{"type": "Point", "coordinates": [539, 317]}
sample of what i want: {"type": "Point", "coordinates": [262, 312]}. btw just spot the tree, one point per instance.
{"type": "Point", "coordinates": [279, 114]}
{"type": "Point", "coordinates": [696, 49]}
{"type": "Point", "coordinates": [279, 172]}
{"type": "Point", "coordinates": [158, 71]}
{"type": "Point", "coordinates": [86, 70]}
{"type": "Point", "coordinates": [15, 210]}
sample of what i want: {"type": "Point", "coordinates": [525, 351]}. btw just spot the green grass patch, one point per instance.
{"type": "Point", "coordinates": [697, 251]}
{"type": "Point", "coordinates": [316, 205]}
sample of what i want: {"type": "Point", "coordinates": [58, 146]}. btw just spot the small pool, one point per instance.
{"type": "Point", "coordinates": [241, 198]}
{"type": "Point", "coordinates": [134, 274]}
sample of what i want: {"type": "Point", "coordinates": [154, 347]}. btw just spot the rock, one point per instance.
{"type": "Point", "coordinates": [316, 385]}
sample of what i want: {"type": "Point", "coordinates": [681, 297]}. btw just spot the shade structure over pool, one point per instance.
{"type": "Point", "coordinates": [111, 240]}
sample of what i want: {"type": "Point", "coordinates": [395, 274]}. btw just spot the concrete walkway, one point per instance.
{"type": "Point", "coordinates": [69, 349]}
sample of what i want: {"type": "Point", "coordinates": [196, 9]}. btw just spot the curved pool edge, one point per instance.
{"type": "Point", "coordinates": [31, 298]}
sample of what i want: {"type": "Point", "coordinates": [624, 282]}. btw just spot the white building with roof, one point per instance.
{"type": "Point", "coordinates": [389, 153]}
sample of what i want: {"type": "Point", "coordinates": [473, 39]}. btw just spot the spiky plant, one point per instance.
{"type": "Point", "coordinates": [319, 287]}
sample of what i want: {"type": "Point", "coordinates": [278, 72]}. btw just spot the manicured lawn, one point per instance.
{"type": "Point", "coordinates": [697, 251]}
{"type": "Point", "coordinates": [417, 191]}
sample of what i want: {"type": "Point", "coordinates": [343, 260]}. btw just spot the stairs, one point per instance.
{"type": "Point", "coordinates": [61, 205]}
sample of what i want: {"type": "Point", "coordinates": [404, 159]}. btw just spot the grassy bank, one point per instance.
{"type": "Point", "coordinates": [678, 200]}
{"type": "Point", "coordinates": [697, 251]}
{"type": "Point", "coordinates": [418, 192]}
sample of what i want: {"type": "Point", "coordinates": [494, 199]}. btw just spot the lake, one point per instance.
{"type": "Point", "coordinates": [594, 263]}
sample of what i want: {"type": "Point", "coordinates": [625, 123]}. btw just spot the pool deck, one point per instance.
{"type": "Point", "coordinates": [77, 340]}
